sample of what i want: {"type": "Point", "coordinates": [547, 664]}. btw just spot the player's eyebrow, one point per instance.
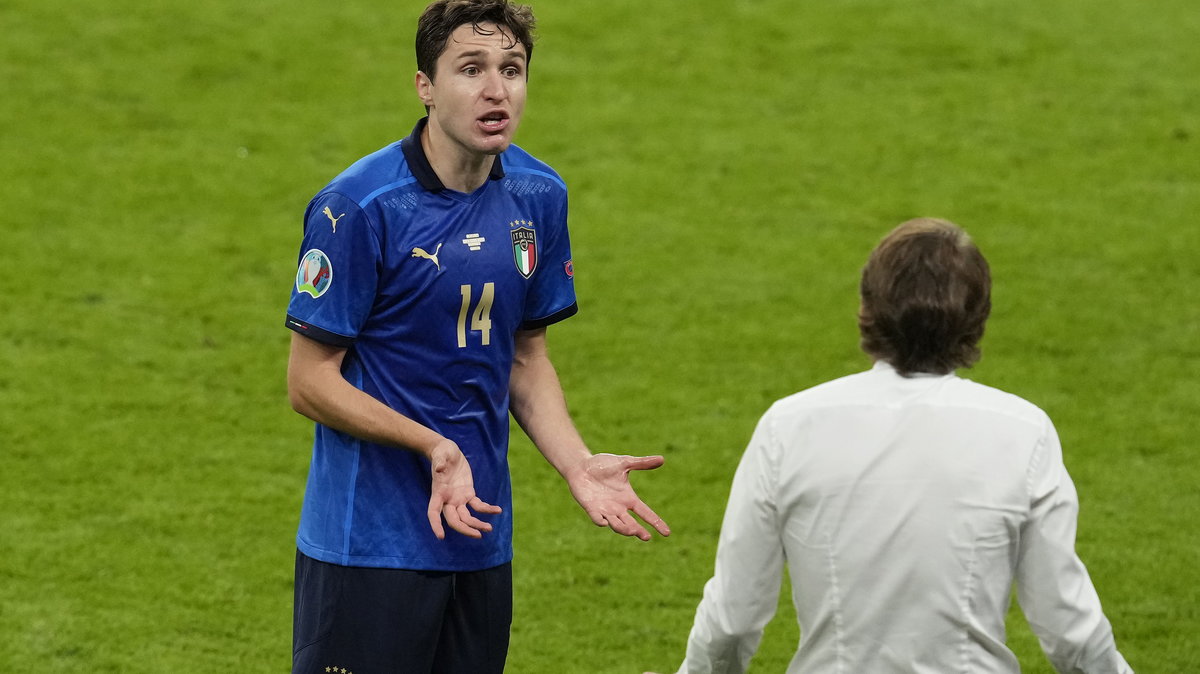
{"type": "Point", "coordinates": [476, 53]}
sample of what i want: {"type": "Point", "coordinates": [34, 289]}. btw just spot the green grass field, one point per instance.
{"type": "Point", "coordinates": [731, 164]}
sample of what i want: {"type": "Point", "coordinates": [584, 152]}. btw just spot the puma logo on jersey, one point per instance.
{"type": "Point", "coordinates": [420, 252]}
{"type": "Point", "coordinates": [329, 214]}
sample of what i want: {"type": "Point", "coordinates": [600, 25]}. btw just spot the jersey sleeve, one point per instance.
{"type": "Point", "coordinates": [552, 295]}
{"type": "Point", "coordinates": [338, 272]}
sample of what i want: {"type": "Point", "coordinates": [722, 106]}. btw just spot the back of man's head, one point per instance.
{"type": "Point", "coordinates": [926, 295]}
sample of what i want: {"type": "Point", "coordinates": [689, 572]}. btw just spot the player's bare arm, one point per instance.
{"type": "Point", "coordinates": [317, 389]}
{"type": "Point", "coordinates": [599, 482]}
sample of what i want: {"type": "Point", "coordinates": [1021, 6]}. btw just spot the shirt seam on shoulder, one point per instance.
{"type": "Point", "coordinates": [377, 192]}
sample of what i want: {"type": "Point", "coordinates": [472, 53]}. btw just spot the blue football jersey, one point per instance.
{"type": "Point", "coordinates": [426, 288]}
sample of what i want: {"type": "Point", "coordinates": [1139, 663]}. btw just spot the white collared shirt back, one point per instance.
{"type": "Point", "coordinates": [905, 509]}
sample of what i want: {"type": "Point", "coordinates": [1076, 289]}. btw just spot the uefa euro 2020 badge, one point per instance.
{"type": "Point", "coordinates": [315, 273]}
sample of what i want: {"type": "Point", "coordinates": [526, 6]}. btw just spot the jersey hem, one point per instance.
{"type": "Point", "coordinates": [408, 563]}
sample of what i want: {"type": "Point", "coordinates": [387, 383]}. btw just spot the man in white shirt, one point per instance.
{"type": "Point", "coordinates": [905, 501]}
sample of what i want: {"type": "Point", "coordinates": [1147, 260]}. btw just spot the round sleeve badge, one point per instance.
{"type": "Point", "coordinates": [315, 273]}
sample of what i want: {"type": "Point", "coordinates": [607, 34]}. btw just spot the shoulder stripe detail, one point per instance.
{"type": "Point", "coordinates": [551, 176]}
{"type": "Point", "coordinates": [386, 188]}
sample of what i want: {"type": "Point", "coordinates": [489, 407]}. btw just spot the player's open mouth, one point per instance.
{"type": "Point", "coordinates": [494, 122]}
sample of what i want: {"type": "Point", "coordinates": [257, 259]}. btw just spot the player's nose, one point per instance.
{"type": "Point", "coordinates": [493, 87]}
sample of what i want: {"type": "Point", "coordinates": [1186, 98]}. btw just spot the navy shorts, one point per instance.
{"type": "Point", "coordinates": [395, 621]}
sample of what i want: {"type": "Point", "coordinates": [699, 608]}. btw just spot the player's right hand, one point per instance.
{"type": "Point", "coordinates": [453, 494]}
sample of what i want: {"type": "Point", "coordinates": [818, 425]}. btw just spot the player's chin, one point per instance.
{"type": "Point", "coordinates": [494, 144]}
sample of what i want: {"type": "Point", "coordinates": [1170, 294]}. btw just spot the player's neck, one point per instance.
{"type": "Point", "coordinates": [457, 168]}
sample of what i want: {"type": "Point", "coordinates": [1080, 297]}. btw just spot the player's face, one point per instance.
{"type": "Point", "coordinates": [479, 96]}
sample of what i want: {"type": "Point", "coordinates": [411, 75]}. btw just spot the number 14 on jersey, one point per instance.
{"type": "Point", "coordinates": [481, 315]}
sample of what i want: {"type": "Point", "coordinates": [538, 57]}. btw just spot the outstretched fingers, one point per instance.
{"type": "Point", "coordinates": [601, 486]}
{"type": "Point", "coordinates": [434, 513]}
{"type": "Point", "coordinates": [643, 462]}
{"type": "Point", "coordinates": [597, 518]}
{"type": "Point", "coordinates": [480, 506]}
{"type": "Point", "coordinates": [650, 517]}
{"type": "Point", "coordinates": [459, 517]}
{"type": "Point", "coordinates": [624, 524]}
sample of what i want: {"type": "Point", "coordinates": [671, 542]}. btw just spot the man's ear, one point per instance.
{"type": "Point", "coordinates": [424, 87]}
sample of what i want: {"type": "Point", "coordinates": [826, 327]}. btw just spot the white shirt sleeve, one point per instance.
{"type": "Point", "coordinates": [1054, 590]}
{"type": "Point", "coordinates": [741, 597]}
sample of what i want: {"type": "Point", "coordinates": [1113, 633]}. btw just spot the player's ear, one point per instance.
{"type": "Point", "coordinates": [424, 87]}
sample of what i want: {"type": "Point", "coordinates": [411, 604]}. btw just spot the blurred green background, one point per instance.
{"type": "Point", "coordinates": [731, 163]}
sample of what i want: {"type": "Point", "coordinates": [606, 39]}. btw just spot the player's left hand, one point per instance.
{"type": "Point", "coordinates": [600, 484]}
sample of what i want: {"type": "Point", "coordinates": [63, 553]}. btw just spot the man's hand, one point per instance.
{"type": "Point", "coordinates": [453, 494]}
{"type": "Point", "coordinates": [600, 484]}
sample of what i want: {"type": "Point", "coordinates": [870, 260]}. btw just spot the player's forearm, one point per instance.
{"type": "Point", "coordinates": [545, 420]}
{"type": "Point", "coordinates": [351, 411]}
{"type": "Point", "coordinates": [317, 389]}
{"type": "Point", "coordinates": [539, 406]}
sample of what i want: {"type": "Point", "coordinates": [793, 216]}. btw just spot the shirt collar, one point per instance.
{"type": "Point", "coordinates": [884, 366]}
{"type": "Point", "coordinates": [419, 164]}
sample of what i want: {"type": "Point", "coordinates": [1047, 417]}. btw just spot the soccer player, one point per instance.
{"type": "Point", "coordinates": [428, 275]}
{"type": "Point", "coordinates": [905, 500]}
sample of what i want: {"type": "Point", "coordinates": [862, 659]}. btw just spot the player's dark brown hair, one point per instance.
{"type": "Point", "coordinates": [441, 18]}
{"type": "Point", "coordinates": [926, 295]}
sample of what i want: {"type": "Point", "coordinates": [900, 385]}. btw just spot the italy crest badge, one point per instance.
{"type": "Point", "coordinates": [524, 242]}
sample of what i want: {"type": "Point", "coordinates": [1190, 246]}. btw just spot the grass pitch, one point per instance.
{"type": "Point", "coordinates": [731, 164]}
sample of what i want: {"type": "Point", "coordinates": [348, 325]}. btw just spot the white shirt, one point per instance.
{"type": "Point", "coordinates": [905, 509]}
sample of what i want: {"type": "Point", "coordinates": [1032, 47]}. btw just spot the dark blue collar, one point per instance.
{"type": "Point", "coordinates": [418, 163]}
